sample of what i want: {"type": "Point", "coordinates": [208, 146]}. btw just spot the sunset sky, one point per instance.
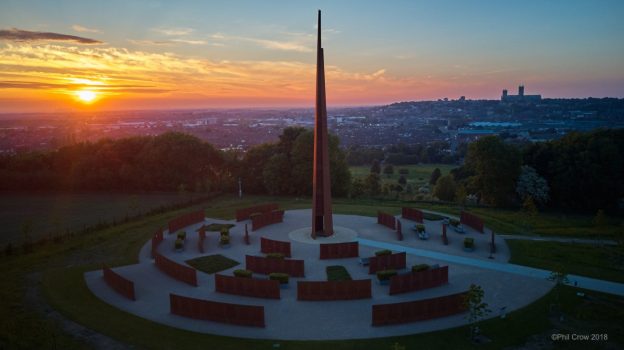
{"type": "Point", "coordinates": [102, 55]}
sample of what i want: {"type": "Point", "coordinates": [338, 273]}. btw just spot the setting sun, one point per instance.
{"type": "Point", "coordinates": [86, 96]}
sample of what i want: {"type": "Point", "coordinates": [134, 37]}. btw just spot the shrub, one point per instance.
{"type": "Point", "coordinates": [225, 231]}
{"type": "Point", "coordinates": [243, 273]}
{"type": "Point", "coordinates": [468, 243]}
{"type": "Point", "coordinates": [275, 255]}
{"type": "Point", "coordinates": [182, 235]}
{"type": "Point", "coordinates": [454, 222]}
{"type": "Point", "coordinates": [224, 240]}
{"type": "Point", "coordinates": [179, 244]}
{"type": "Point", "coordinates": [383, 252]}
{"type": "Point", "coordinates": [420, 228]}
{"type": "Point", "coordinates": [420, 267]}
{"type": "Point", "coordinates": [384, 275]}
{"type": "Point", "coordinates": [278, 276]}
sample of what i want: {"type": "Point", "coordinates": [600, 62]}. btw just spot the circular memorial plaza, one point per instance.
{"type": "Point", "coordinates": [291, 318]}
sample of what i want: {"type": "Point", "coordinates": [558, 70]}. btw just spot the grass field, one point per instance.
{"type": "Point", "coordinates": [418, 174]}
{"type": "Point", "coordinates": [604, 262]}
{"type": "Point", "coordinates": [50, 214]}
{"type": "Point", "coordinates": [57, 271]}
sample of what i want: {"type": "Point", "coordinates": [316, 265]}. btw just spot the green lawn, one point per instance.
{"type": "Point", "coordinates": [337, 273]}
{"type": "Point", "coordinates": [212, 263]}
{"type": "Point", "coordinates": [603, 262]}
{"type": "Point", "coordinates": [53, 214]}
{"type": "Point", "coordinates": [61, 267]}
{"type": "Point", "coordinates": [418, 174]}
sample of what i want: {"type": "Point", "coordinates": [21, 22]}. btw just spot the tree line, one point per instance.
{"type": "Point", "coordinates": [581, 171]}
{"type": "Point", "coordinates": [175, 162]}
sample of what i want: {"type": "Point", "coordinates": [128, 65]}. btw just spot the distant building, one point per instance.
{"type": "Point", "coordinates": [520, 97]}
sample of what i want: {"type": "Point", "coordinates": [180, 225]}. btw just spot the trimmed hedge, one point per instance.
{"type": "Point", "coordinates": [454, 222]}
{"type": "Point", "coordinates": [224, 240]}
{"type": "Point", "coordinates": [420, 228]}
{"type": "Point", "coordinates": [275, 255]}
{"type": "Point", "coordinates": [468, 243]}
{"type": "Point", "coordinates": [179, 244]}
{"type": "Point", "coordinates": [279, 276]}
{"type": "Point", "coordinates": [243, 273]}
{"type": "Point", "coordinates": [383, 252]}
{"type": "Point", "coordinates": [384, 275]}
{"type": "Point", "coordinates": [182, 235]}
{"type": "Point", "coordinates": [420, 267]}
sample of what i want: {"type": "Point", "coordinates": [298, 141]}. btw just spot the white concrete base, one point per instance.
{"type": "Point", "coordinates": [288, 318]}
{"type": "Point", "coordinates": [341, 235]}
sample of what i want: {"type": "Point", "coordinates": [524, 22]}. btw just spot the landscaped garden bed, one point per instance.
{"type": "Point", "coordinates": [212, 263]}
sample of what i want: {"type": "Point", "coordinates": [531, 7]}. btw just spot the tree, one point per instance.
{"type": "Point", "coordinates": [460, 195]}
{"type": "Point", "coordinates": [372, 184]}
{"type": "Point", "coordinates": [477, 309]}
{"type": "Point", "coordinates": [530, 184]}
{"type": "Point", "coordinates": [445, 188]}
{"type": "Point", "coordinates": [435, 175]}
{"type": "Point", "coordinates": [600, 220]}
{"type": "Point", "coordinates": [375, 167]}
{"type": "Point", "coordinates": [402, 180]}
{"type": "Point", "coordinates": [496, 166]}
{"type": "Point", "coordinates": [358, 188]}
{"type": "Point", "coordinates": [388, 170]}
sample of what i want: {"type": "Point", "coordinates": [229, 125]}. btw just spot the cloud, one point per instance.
{"type": "Point", "coordinates": [128, 74]}
{"type": "Point", "coordinates": [300, 42]}
{"type": "Point", "coordinates": [279, 45]}
{"type": "Point", "coordinates": [190, 42]}
{"type": "Point", "coordinates": [81, 29]}
{"type": "Point", "coordinates": [19, 35]}
{"type": "Point", "coordinates": [173, 31]}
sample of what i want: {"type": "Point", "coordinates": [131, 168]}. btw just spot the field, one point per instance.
{"type": "Point", "coordinates": [418, 174]}
{"type": "Point", "coordinates": [52, 276]}
{"type": "Point", "coordinates": [52, 214]}
{"type": "Point", "coordinates": [603, 262]}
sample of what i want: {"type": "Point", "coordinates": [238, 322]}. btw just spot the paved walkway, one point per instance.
{"type": "Point", "coordinates": [289, 318]}
{"type": "Point", "coordinates": [575, 280]}
{"type": "Point", "coordinates": [560, 239]}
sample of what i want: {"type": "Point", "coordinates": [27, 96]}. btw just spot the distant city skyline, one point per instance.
{"type": "Point", "coordinates": [74, 55]}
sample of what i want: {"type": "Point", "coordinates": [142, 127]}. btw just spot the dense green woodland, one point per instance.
{"type": "Point", "coordinates": [581, 171]}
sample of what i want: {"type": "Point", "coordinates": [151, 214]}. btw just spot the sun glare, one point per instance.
{"type": "Point", "coordinates": [86, 96]}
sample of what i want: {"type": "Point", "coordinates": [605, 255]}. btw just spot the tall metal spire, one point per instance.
{"type": "Point", "coordinates": [322, 222]}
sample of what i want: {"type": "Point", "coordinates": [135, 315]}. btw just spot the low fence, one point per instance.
{"type": "Point", "coordinates": [265, 219]}
{"type": "Point", "coordinates": [272, 246]}
{"type": "Point", "coordinates": [120, 284]}
{"type": "Point", "coordinates": [386, 220]}
{"type": "Point", "coordinates": [340, 250]}
{"type": "Point", "coordinates": [471, 220]}
{"type": "Point", "coordinates": [180, 272]}
{"type": "Point", "coordinates": [412, 214]}
{"type": "Point", "coordinates": [242, 315]}
{"type": "Point", "coordinates": [333, 290]}
{"type": "Point", "coordinates": [258, 264]}
{"type": "Point", "coordinates": [418, 280]}
{"type": "Point", "coordinates": [186, 220]}
{"type": "Point", "coordinates": [387, 262]}
{"type": "Point", "coordinates": [250, 287]}
{"type": "Point", "coordinates": [420, 310]}
{"type": "Point", "coordinates": [243, 214]}
{"type": "Point", "coordinates": [156, 239]}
